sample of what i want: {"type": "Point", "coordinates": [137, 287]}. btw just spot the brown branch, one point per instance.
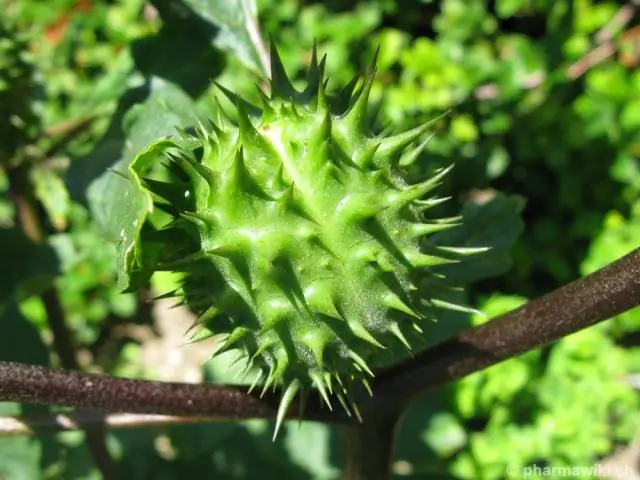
{"type": "Point", "coordinates": [578, 305]}
{"type": "Point", "coordinates": [44, 386]}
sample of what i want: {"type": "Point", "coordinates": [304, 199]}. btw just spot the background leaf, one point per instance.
{"type": "Point", "coordinates": [495, 223]}
{"type": "Point", "coordinates": [27, 268]}
{"type": "Point", "coordinates": [224, 23]}
{"type": "Point", "coordinates": [166, 108]}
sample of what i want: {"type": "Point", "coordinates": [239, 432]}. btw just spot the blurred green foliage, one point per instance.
{"type": "Point", "coordinates": [533, 115]}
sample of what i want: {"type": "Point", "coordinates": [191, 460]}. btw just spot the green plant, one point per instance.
{"type": "Point", "coordinates": [299, 238]}
{"type": "Point", "coordinates": [533, 107]}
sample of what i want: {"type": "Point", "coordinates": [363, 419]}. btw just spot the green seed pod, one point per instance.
{"type": "Point", "coordinates": [300, 240]}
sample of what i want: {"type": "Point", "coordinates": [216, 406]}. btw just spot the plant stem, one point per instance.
{"type": "Point", "coordinates": [62, 342]}
{"type": "Point", "coordinates": [24, 202]}
{"type": "Point", "coordinates": [368, 448]}
{"type": "Point", "coordinates": [40, 385]}
{"type": "Point", "coordinates": [578, 305]}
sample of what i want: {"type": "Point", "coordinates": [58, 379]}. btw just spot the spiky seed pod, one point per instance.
{"type": "Point", "coordinates": [307, 237]}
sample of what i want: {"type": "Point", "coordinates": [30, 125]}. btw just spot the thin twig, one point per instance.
{"type": "Point", "coordinates": [622, 17]}
{"type": "Point", "coordinates": [62, 342]}
{"type": "Point", "coordinates": [591, 59]}
{"type": "Point", "coordinates": [64, 133]}
{"type": "Point", "coordinates": [24, 203]}
{"type": "Point", "coordinates": [50, 423]}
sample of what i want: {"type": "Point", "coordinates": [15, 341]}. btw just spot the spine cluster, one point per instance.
{"type": "Point", "coordinates": [307, 247]}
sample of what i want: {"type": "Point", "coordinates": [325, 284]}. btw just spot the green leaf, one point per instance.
{"type": "Point", "coordinates": [177, 55]}
{"type": "Point", "coordinates": [174, 56]}
{"type": "Point", "coordinates": [226, 24]}
{"type": "Point", "coordinates": [508, 8]}
{"type": "Point", "coordinates": [318, 462]}
{"type": "Point", "coordinates": [497, 162]}
{"type": "Point", "coordinates": [626, 169]}
{"type": "Point", "coordinates": [496, 224]}
{"type": "Point", "coordinates": [118, 204]}
{"type": "Point", "coordinates": [418, 430]}
{"type": "Point", "coordinates": [68, 455]}
{"type": "Point", "coordinates": [498, 305]}
{"type": "Point", "coordinates": [53, 194]}
{"type": "Point", "coordinates": [20, 459]}
{"type": "Point", "coordinates": [445, 435]}
{"type": "Point", "coordinates": [121, 206]}
{"type": "Point", "coordinates": [27, 268]}
{"type": "Point", "coordinates": [630, 117]}
{"type": "Point", "coordinates": [618, 237]}
{"type": "Point", "coordinates": [166, 108]}
{"type": "Point", "coordinates": [20, 341]}
{"type": "Point", "coordinates": [108, 150]}
{"type": "Point", "coordinates": [464, 128]}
